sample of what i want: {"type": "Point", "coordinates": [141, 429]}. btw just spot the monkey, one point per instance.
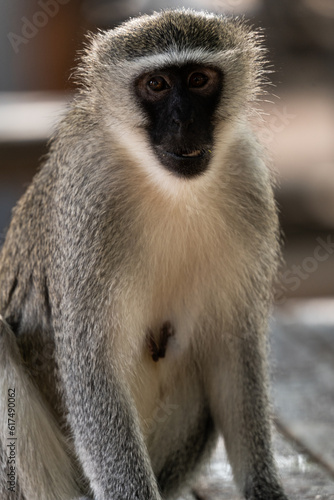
{"type": "Point", "coordinates": [136, 275]}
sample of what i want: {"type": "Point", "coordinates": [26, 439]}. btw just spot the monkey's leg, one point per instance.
{"type": "Point", "coordinates": [101, 414]}
{"type": "Point", "coordinates": [239, 404]}
{"type": "Point", "coordinates": [42, 466]}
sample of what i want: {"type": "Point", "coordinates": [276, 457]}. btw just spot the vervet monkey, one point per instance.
{"type": "Point", "coordinates": [137, 272]}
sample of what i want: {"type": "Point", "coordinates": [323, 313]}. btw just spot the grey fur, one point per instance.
{"type": "Point", "coordinates": [105, 245]}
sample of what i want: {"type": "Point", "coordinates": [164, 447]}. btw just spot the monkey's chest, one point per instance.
{"type": "Point", "coordinates": [179, 277]}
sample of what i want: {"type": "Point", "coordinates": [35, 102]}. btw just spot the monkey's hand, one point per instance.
{"type": "Point", "coordinates": [267, 495]}
{"type": "Point", "coordinates": [280, 496]}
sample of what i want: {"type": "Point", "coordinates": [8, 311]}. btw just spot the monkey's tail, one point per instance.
{"type": "Point", "coordinates": [33, 458]}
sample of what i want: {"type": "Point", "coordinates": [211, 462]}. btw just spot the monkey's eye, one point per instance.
{"type": "Point", "coordinates": [157, 84]}
{"type": "Point", "coordinates": [197, 80]}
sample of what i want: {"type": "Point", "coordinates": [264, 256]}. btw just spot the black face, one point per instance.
{"type": "Point", "coordinates": [180, 103]}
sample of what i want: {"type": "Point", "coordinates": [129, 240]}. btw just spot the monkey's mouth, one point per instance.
{"type": "Point", "coordinates": [185, 162]}
{"type": "Point", "coordinates": [197, 153]}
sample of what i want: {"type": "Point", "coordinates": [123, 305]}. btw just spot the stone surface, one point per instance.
{"type": "Point", "coordinates": [303, 349]}
{"type": "Point", "coordinates": [303, 479]}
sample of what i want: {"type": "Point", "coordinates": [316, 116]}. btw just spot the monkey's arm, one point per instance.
{"type": "Point", "coordinates": [88, 255]}
{"type": "Point", "coordinates": [240, 408]}
{"type": "Point", "coordinates": [106, 434]}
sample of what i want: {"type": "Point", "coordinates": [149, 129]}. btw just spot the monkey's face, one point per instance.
{"type": "Point", "coordinates": [180, 103]}
{"type": "Point", "coordinates": [170, 89]}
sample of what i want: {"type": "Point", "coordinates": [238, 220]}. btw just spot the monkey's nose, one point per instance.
{"type": "Point", "coordinates": [183, 122]}
{"type": "Point", "coordinates": [182, 126]}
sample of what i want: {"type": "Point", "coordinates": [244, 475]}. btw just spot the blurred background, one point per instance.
{"type": "Point", "coordinates": [40, 40]}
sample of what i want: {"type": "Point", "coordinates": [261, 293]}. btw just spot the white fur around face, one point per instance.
{"type": "Point", "coordinates": [136, 146]}
{"type": "Point", "coordinates": [177, 57]}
